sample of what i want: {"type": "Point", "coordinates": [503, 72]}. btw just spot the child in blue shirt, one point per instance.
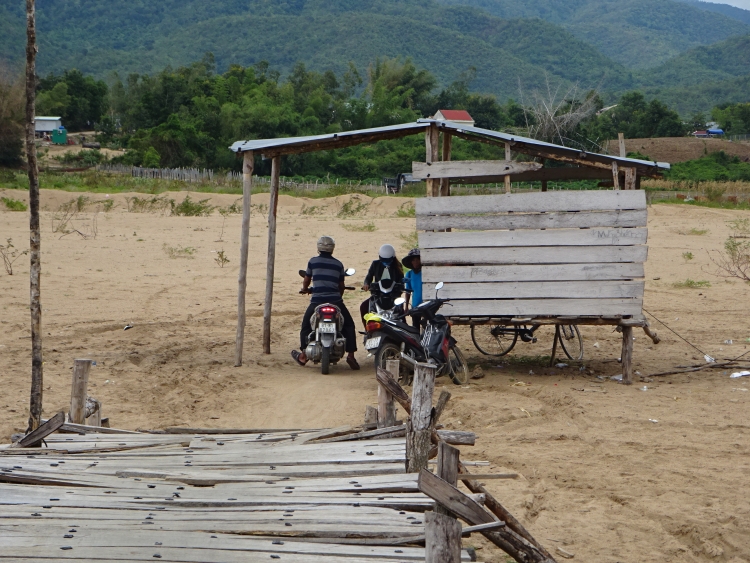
{"type": "Point", "coordinates": [413, 280]}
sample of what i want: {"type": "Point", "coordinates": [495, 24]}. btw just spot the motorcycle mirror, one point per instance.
{"type": "Point", "coordinates": [350, 272]}
{"type": "Point", "coordinates": [399, 301]}
{"type": "Point", "coordinates": [302, 273]}
{"type": "Point", "coordinates": [439, 286]}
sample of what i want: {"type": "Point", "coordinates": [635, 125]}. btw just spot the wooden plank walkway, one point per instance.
{"type": "Point", "coordinates": [211, 498]}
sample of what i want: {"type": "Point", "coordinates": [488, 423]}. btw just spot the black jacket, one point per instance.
{"type": "Point", "coordinates": [376, 272]}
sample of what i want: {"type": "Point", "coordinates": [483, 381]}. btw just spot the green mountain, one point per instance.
{"type": "Point", "coordinates": [730, 11]}
{"type": "Point", "coordinates": [635, 33]}
{"type": "Point", "coordinates": [143, 37]}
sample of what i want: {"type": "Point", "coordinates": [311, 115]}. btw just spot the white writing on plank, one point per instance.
{"type": "Point", "coordinates": [617, 233]}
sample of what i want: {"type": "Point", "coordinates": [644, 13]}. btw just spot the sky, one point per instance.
{"type": "Point", "coordinates": [744, 4]}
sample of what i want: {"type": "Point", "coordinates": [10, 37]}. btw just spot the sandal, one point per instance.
{"type": "Point", "coordinates": [352, 363]}
{"type": "Point", "coordinates": [296, 357]}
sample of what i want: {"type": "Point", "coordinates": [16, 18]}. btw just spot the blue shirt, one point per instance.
{"type": "Point", "coordinates": [413, 283]}
{"type": "Point", "coordinates": [326, 273]}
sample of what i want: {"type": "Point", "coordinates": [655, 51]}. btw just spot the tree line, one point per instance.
{"type": "Point", "coordinates": [189, 116]}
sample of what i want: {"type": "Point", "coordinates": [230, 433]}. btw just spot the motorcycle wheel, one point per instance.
{"type": "Point", "coordinates": [325, 361]}
{"type": "Point", "coordinates": [389, 351]}
{"type": "Point", "coordinates": [459, 369]}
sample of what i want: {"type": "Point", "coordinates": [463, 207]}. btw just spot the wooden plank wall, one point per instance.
{"type": "Point", "coordinates": [536, 254]}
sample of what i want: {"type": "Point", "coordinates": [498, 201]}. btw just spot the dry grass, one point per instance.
{"type": "Point", "coordinates": [729, 188]}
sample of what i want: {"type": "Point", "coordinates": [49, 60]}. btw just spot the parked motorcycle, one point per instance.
{"type": "Point", "coordinates": [383, 297]}
{"type": "Point", "coordinates": [326, 343]}
{"type": "Point", "coordinates": [392, 339]}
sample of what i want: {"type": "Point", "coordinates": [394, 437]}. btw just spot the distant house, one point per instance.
{"type": "Point", "coordinates": [455, 116]}
{"type": "Point", "coordinates": [47, 124]}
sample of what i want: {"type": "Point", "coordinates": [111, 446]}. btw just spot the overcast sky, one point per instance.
{"type": "Point", "coordinates": [745, 4]}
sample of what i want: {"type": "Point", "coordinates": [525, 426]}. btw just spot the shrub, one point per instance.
{"type": "Point", "coordinates": [691, 284]}
{"type": "Point", "coordinates": [178, 251]}
{"type": "Point", "coordinates": [366, 228]}
{"type": "Point", "coordinates": [734, 262]}
{"type": "Point", "coordinates": [10, 254]}
{"type": "Point", "coordinates": [190, 208]}
{"type": "Point", "coordinates": [407, 210]}
{"type": "Point", "coordinates": [14, 204]}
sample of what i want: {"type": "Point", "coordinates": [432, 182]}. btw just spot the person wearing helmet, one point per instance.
{"type": "Point", "coordinates": [386, 266]}
{"type": "Point", "coordinates": [326, 274]}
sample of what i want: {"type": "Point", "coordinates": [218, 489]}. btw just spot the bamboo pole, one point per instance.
{"type": "Point", "coordinates": [271, 260]}
{"type": "Point", "coordinates": [247, 186]}
{"type": "Point", "coordinates": [35, 237]}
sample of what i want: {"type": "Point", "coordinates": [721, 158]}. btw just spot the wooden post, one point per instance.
{"type": "Point", "coordinates": [442, 538]}
{"type": "Point", "coordinates": [419, 431]}
{"type": "Point", "coordinates": [554, 345]}
{"type": "Point", "coordinates": [507, 158]}
{"type": "Point", "coordinates": [544, 185]}
{"type": "Point", "coordinates": [93, 412]}
{"type": "Point", "coordinates": [35, 237]}
{"type": "Point", "coordinates": [445, 183]}
{"type": "Point", "coordinates": [615, 175]}
{"type": "Point", "coordinates": [79, 391]}
{"type": "Point", "coordinates": [432, 140]}
{"type": "Point", "coordinates": [627, 355]}
{"type": "Point", "coordinates": [630, 178]}
{"type": "Point", "coordinates": [447, 470]}
{"type": "Point", "coordinates": [371, 415]}
{"type": "Point", "coordinates": [271, 260]}
{"type": "Point", "coordinates": [386, 404]}
{"type": "Point", "coordinates": [621, 138]}
{"type": "Point", "coordinates": [247, 186]}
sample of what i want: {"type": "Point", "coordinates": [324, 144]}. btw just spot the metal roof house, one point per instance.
{"type": "Point", "coordinates": [455, 115]}
{"type": "Point", "coordinates": [47, 124]}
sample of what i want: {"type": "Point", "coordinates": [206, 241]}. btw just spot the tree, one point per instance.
{"type": "Point", "coordinates": [11, 118]}
{"type": "Point", "coordinates": [35, 407]}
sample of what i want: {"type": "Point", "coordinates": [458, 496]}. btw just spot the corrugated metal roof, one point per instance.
{"type": "Point", "coordinates": [420, 125]}
{"type": "Point", "coordinates": [260, 144]}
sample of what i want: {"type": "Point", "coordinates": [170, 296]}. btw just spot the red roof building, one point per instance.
{"type": "Point", "coordinates": [455, 116]}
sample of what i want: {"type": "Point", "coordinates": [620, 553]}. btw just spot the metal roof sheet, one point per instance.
{"type": "Point", "coordinates": [416, 127]}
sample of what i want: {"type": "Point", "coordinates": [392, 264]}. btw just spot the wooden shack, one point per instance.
{"type": "Point", "coordinates": [563, 257]}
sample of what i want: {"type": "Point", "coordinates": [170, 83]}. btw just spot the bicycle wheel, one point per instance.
{"type": "Point", "coordinates": [571, 341]}
{"type": "Point", "coordinates": [459, 369]}
{"type": "Point", "coordinates": [495, 340]}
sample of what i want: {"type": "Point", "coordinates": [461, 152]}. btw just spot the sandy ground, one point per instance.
{"type": "Point", "coordinates": [600, 476]}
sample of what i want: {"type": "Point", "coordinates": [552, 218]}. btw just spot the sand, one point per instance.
{"type": "Point", "coordinates": [599, 477]}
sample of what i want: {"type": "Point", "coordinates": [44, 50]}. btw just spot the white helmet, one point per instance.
{"type": "Point", "coordinates": [326, 244]}
{"type": "Point", "coordinates": [387, 252]}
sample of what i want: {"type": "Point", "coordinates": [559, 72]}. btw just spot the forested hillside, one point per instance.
{"type": "Point", "coordinates": [635, 33]}
{"type": "Point", "coordinates": [725, 9]}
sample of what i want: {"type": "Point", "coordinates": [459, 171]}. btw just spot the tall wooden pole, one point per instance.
{"type": "Point", "coordinates": [507, 159]}
{"type": "Point", "coordinates": [35, 239]}
{"type": "Point", "coordinates": [419, 431]}
{"type": "Point", "coordinates": [79, 391]}
{"type": "Point", "coordinates": [432, 142]}
{"type": "Point", "coordinates": [273, 204]}
{"type": "Point", "coordinates": [445, 183]}
{"type": "Point", "coordinates": [247, 187]}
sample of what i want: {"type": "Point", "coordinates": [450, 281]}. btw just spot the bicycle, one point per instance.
{"type": "Point", "coordinates": [499, 340]}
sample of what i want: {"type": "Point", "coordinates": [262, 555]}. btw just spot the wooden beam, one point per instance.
{"type": "Point", "coordinates": [627, 355]}
{"type": "Point", "coordinates": [541, 175]}
{"type": "Point", "coordinates": [615, 176]}
{"type": "Point", "coordinates": [34, 438]}
{"type": "Point", "coordinates": [621, 139]}
{"type": "Point", "coordinates": [419, 429]}
{"type": "Point", "coordinates": [271, 259]}
{"type": "Point", "coordinates": [79, 391]}
{"type": "Point", "coordinates": [445, 183]}
{"type": "Point", "coordinates": [470, 168]}
{"type": "Point", "coordinates": [247, 188]}
{"type": "Point", "coordinates": [386, 404]}
{"type": "Point", "coordinates": [431, 140]}
{"type": "Point", "coordinates": [630, 175]}
{"type": "Point", "coordinates": [442, 538]}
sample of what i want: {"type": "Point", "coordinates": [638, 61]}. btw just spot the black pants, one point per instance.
{"type": "Point", "coordinates": [348, 331]}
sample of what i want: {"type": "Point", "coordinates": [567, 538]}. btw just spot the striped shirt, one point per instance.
{"type": "Point", "coordinates": [326, 273]}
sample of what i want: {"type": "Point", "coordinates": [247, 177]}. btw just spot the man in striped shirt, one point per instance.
{"type": "Point", "coordinates": [327, 276]}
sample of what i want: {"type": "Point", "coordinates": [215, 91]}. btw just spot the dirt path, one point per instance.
{"type": "Point", "coordinates": [598, 477]}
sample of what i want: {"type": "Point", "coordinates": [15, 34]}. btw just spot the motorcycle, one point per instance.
{"type": "Point", "coordinates": [383, 297]}
{"type": "Point", "coordinates": [326, 343]}
{"type": "Point", "coordinates": [392, 339]}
